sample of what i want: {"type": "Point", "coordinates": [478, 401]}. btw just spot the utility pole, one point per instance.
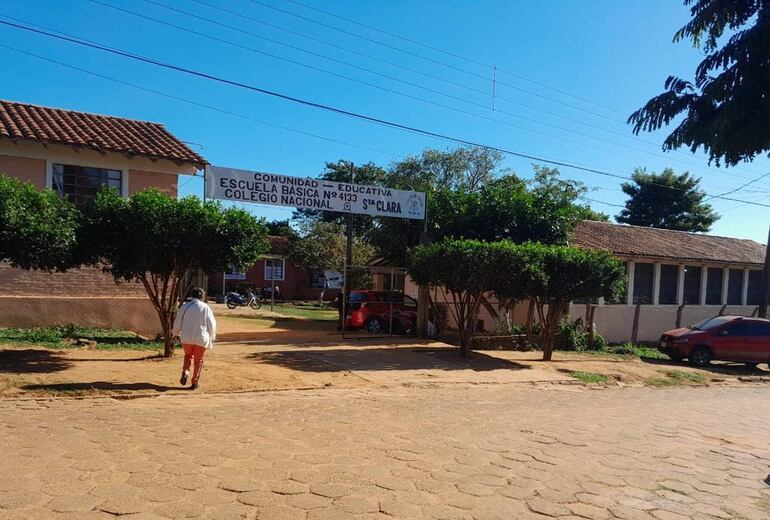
{"type": "Point", "coordinates": [764, 287]}
{"type": "Point", "coordinates": [348, 260]}
{"type": "Point", "coordinates": [423, 291]}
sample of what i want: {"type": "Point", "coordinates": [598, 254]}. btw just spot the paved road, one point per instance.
{"type": "Point", "coordinates": [485, 451]}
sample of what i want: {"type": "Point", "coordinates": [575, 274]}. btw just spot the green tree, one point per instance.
{"type": "Point", "coordinates": [282, 228]}
{"type": "Point", "coordinates": [462, 268]}
{"type": "Point", "coordinates": [727, 107]}
{"type": "Point", "coordinates": [155, 239]}
{"type": "Point", "coordinates": [369, 174]}
{"type": "Point", "coordinates": [38, 229]}
{"type": "Point", "coordinates": [556, 275]}
{"type": "Point", "coordinates": [323, 245]}
{"type": "Point", "coordinates": [666, 201]}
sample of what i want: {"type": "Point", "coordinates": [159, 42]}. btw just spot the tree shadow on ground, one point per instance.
{"type": "Point", "coordinates": [98, 385]}
{"type": "Point", "coordinates": [313, 339]}
{"type": "Point", "coordinates": [720, 367]}
{"type": "Point", "coordinates": [377, 359]}
{"type": "Point", "coordinates": [32, 361]}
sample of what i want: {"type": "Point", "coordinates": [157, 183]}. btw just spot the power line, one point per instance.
{"type": "Point", "coordinates": [389, 90]}
{"type": "Point", "coordinates": [454, 55]}
{"type": "Point", "coordinates": [196, 103]}
{"type": "Point", "coordinates": [428, 59]}
{"type": "Point", "coordinates": [336, 110]}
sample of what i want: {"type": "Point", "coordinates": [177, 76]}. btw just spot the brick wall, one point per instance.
{"type": "Point", "coordinates": [87, 281]}
{"type": "Point", "coordinates": [26, 169]}
{"type": "Point", "coordinates": [134, 314]}
{"type": "Point", "coordinates": [139, 180]}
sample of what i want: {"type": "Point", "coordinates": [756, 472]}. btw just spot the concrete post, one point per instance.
{"type": "Point", "coordinates": [680, 286]}
{"type": "Point", "coordinates": [655, 283]}
{"type": "Point", "coordinates": [725, 284]}
{"type": "Point", "coordinates": [704, 278]}
{"type": "Point", "coordinates": [630, 288]}
{"type": "Point", "coordinates": [745, 288]}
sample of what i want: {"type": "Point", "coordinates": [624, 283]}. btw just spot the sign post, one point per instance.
{"type": "Point", "coordinates": [316, 194]}
{"type": "Point", "coordinates": [321, 195]}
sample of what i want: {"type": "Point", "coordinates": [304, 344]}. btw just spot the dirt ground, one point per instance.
{"type": "Point", "coordinates": [265, 351]}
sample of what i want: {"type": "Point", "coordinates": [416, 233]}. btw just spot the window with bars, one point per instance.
{"type": "Point", "coordinates": [643, 281]}
{"type": "Point", "coordinates": [714, 285]}
{"type": "Point", "coordinates": [755, 281]}
{"type": "Point", "coordinates": [81, 183]}
{"type": "Point", "coordinates": [669, 279]}
{"type": "Point", "coordinates": [274, 269]}
{"type": "Point", "coordinates": [735, 287]}
{"type": "Point", "coordinates": [692, 276]}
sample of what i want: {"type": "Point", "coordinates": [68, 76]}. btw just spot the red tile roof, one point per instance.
{"type": "Point", "coordinates": [279, 245]}
{"type": "Point", "coordinates": [97, 132]}
{"type": "Point", "coordinates": [666, 244]}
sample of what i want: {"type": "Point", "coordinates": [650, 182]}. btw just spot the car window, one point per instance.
{"type": "Point", "coordinates": [734, 329]}
{"type": "Point", "coordinates": [758, 328]}
{"type": "Point", "coordinates": [712, 323]}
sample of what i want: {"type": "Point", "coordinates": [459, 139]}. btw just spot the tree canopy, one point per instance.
{"type": "Point", "coordinates": [322, 245]}
{"type": "Point", "coordinates": [155, 239]}
{"type": "Point", "coordinates": [666, 201]}
{"type": "Point", "coordinates": [38, 229]}
{"type": "Point", "coordinates": [556, 275]}
{"type": "Point", "coordinates": [727, 106]}
{"type": "Point", "coordinates": [551, 275]}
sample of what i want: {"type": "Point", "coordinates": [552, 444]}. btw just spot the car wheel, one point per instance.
{"type": "Point", "coordinates": [676, 357]}
{"type": "Point", "coordinates": [700, 357]}
{"type": "Point", "coordinates": [231, 304]}
{"type": "Point", "coordinates": [373, 325]}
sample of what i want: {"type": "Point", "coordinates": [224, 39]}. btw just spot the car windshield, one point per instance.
{"type": "Point", "coordinates": [711, 323]}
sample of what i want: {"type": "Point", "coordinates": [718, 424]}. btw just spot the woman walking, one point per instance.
{"type": "Point", "coordinates": [196, 327]}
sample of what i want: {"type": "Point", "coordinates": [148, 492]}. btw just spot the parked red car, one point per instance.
{"type": "Point", "coordinates": [725, 338]}
{"type": "Point", "coordinates": [371, 311]}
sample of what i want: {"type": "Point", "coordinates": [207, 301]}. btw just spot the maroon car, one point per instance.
{"type": "Point", "coordinates": [725, 338]}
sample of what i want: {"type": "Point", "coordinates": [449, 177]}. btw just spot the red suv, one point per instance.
{"type": "Point", "coordinates": [726, 338]}
{"type": "Point", "coordinates": [371, 310]}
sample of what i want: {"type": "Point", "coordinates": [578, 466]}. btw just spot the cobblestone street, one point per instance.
{"type": "Point", "coordinates": [452, 452]}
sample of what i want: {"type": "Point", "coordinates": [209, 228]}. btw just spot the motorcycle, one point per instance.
{"type": "Point", "coordinates": [234, 299]}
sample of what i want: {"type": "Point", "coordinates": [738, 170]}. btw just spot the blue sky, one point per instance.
{"type": "Point", "coordinates": [569, 73]}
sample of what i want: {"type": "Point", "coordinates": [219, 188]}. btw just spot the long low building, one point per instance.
{"type": "Point", "coordinates": [674, 278]}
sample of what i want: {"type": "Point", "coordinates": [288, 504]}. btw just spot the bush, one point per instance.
{"type": "Point", "coordinates": [570, 338]}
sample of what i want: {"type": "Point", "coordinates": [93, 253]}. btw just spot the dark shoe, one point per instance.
{"type": "Point", "coordinates": [183, 379]}
{"type": "Point", "coordinates": [194, 386]}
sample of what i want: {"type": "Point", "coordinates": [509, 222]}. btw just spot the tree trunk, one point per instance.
{"type": "Point", "coordinates": [530, 318]}
{"type": "Point", "coordinates": [423, 310]}
{"type": "Point", "coordinates": [168, 335]}
{"type": "Point", "coordinates": [550, 324]}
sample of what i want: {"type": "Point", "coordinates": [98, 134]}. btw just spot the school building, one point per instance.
{"type": "Point", "coordinates": [75, 153]}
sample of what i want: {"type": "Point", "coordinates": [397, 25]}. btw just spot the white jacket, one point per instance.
{"type": "Point", "coordinates": [195, 324]}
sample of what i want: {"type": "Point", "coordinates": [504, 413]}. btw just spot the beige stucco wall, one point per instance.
{"type": "Point", "coordinates": [24, 168]}
{"type": "Point", "coordinates": [140, 180]}
{"type": "Point", "coordinates": [25, 159]}
{"type": "Point", "coordinates": [615, 322]}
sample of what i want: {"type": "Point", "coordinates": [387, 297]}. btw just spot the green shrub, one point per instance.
{"type": "Point", "coordinates": [570, 338]}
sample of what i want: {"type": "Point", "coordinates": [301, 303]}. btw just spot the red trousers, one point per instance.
{"type": "Point", "coordinates": [193, 353]}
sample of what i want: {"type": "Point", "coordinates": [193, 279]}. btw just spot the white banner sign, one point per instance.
{"type": "Point", "coordinates": [299, 192]}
